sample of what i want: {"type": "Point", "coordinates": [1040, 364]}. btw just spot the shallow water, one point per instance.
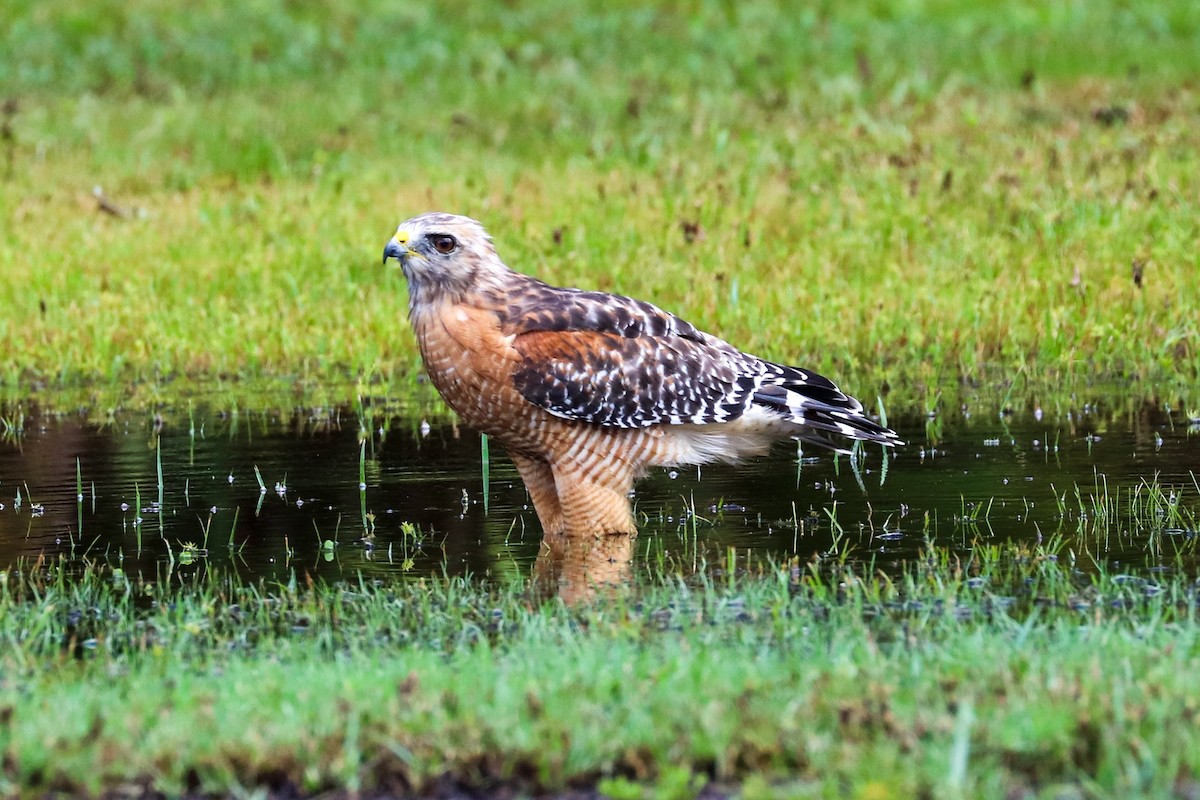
{"type": "Point", "coordinates": [84, 492]}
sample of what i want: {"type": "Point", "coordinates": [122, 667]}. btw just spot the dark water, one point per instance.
{"type": "Point", "coordinates": [82, 492]}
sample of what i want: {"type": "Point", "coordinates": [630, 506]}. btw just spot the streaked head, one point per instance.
{"type": "Point", "coordinates": [441, 253]}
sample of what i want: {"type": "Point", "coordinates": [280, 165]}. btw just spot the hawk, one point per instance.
{"type": "Point", "coordinates": [585, 389]}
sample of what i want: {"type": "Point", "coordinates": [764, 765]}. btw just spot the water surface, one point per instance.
{"type": "Point", "coordinates": [346, 494]}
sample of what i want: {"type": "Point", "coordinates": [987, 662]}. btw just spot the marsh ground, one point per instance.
{"type": "Point", "coordinates": [931, 202]}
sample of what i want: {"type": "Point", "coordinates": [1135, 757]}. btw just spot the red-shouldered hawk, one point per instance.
{"type": "Point", "coordinates": [585, 389]}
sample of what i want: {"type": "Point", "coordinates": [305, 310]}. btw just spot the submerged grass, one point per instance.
{"type": "Point", "coordinates": [1005, 676]}
{"type": "Point", "coordinates": [935, 192]}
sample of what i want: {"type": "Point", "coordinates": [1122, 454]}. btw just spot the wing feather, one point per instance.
{"type": "Point", "coordinates": [609, 379]}
{"type": "Point", "coordinates": [615, 361]}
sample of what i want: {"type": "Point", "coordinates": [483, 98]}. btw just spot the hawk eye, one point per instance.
{"type": "Point", "coordinates": [442, 243]}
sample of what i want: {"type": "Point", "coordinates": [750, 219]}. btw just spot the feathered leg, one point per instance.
{"type": "Point", "coordinates": [595, 502]}
{"type": "Point", "coordinates": [539, 482]}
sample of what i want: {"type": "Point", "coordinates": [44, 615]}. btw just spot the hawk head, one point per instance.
{"type": "Point", "coordinates": [441, 254]}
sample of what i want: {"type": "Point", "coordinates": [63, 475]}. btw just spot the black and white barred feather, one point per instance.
{"type": "Point", "coordinates": [615, 361]}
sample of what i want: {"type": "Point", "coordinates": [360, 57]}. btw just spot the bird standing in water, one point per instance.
{"type": "Point", "coordinates": [585, 389]}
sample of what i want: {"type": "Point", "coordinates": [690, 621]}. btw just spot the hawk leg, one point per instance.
{"type": "Point", "coordinates": [595, 502]}
{"type": "Point", "coordinates": [539, 482]}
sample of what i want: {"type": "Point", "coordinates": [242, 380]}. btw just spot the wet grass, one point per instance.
{"type": "Point", "coordinates": [913, 199]}
{"type": "Point", "coordinates": [905, 197]}
{"type": "Point", "coordinates": [1011, 674]}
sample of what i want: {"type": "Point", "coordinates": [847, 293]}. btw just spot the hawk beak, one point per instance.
{"type": "Point", "coordinates": [395, 249]}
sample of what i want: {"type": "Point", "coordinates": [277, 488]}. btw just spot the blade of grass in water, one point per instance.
{"type": "Point", "coordinates": [78, 496]}
{"type": "Point", "coordinates": [158, 466]}
{"type": "Point", "coordinates": [486, 459]}
{"type": "Point", "coordinates": [137, 513]}
{"type": "Point", "coordinates": [362, 486]}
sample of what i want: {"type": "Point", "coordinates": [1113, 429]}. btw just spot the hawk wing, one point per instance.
{"type": "Point", "coordinates": [629, 382]}
{"type": "Point", "coordinates": [615, 361]}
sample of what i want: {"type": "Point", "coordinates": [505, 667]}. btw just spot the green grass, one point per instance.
{"type": "Point", "coordinates": [905, 195]}
{"type": "Point", "coordinates": [1010, 674]}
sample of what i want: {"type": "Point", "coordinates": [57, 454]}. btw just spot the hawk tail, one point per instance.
{"type": "Point", "coordinates": [819, 408]}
